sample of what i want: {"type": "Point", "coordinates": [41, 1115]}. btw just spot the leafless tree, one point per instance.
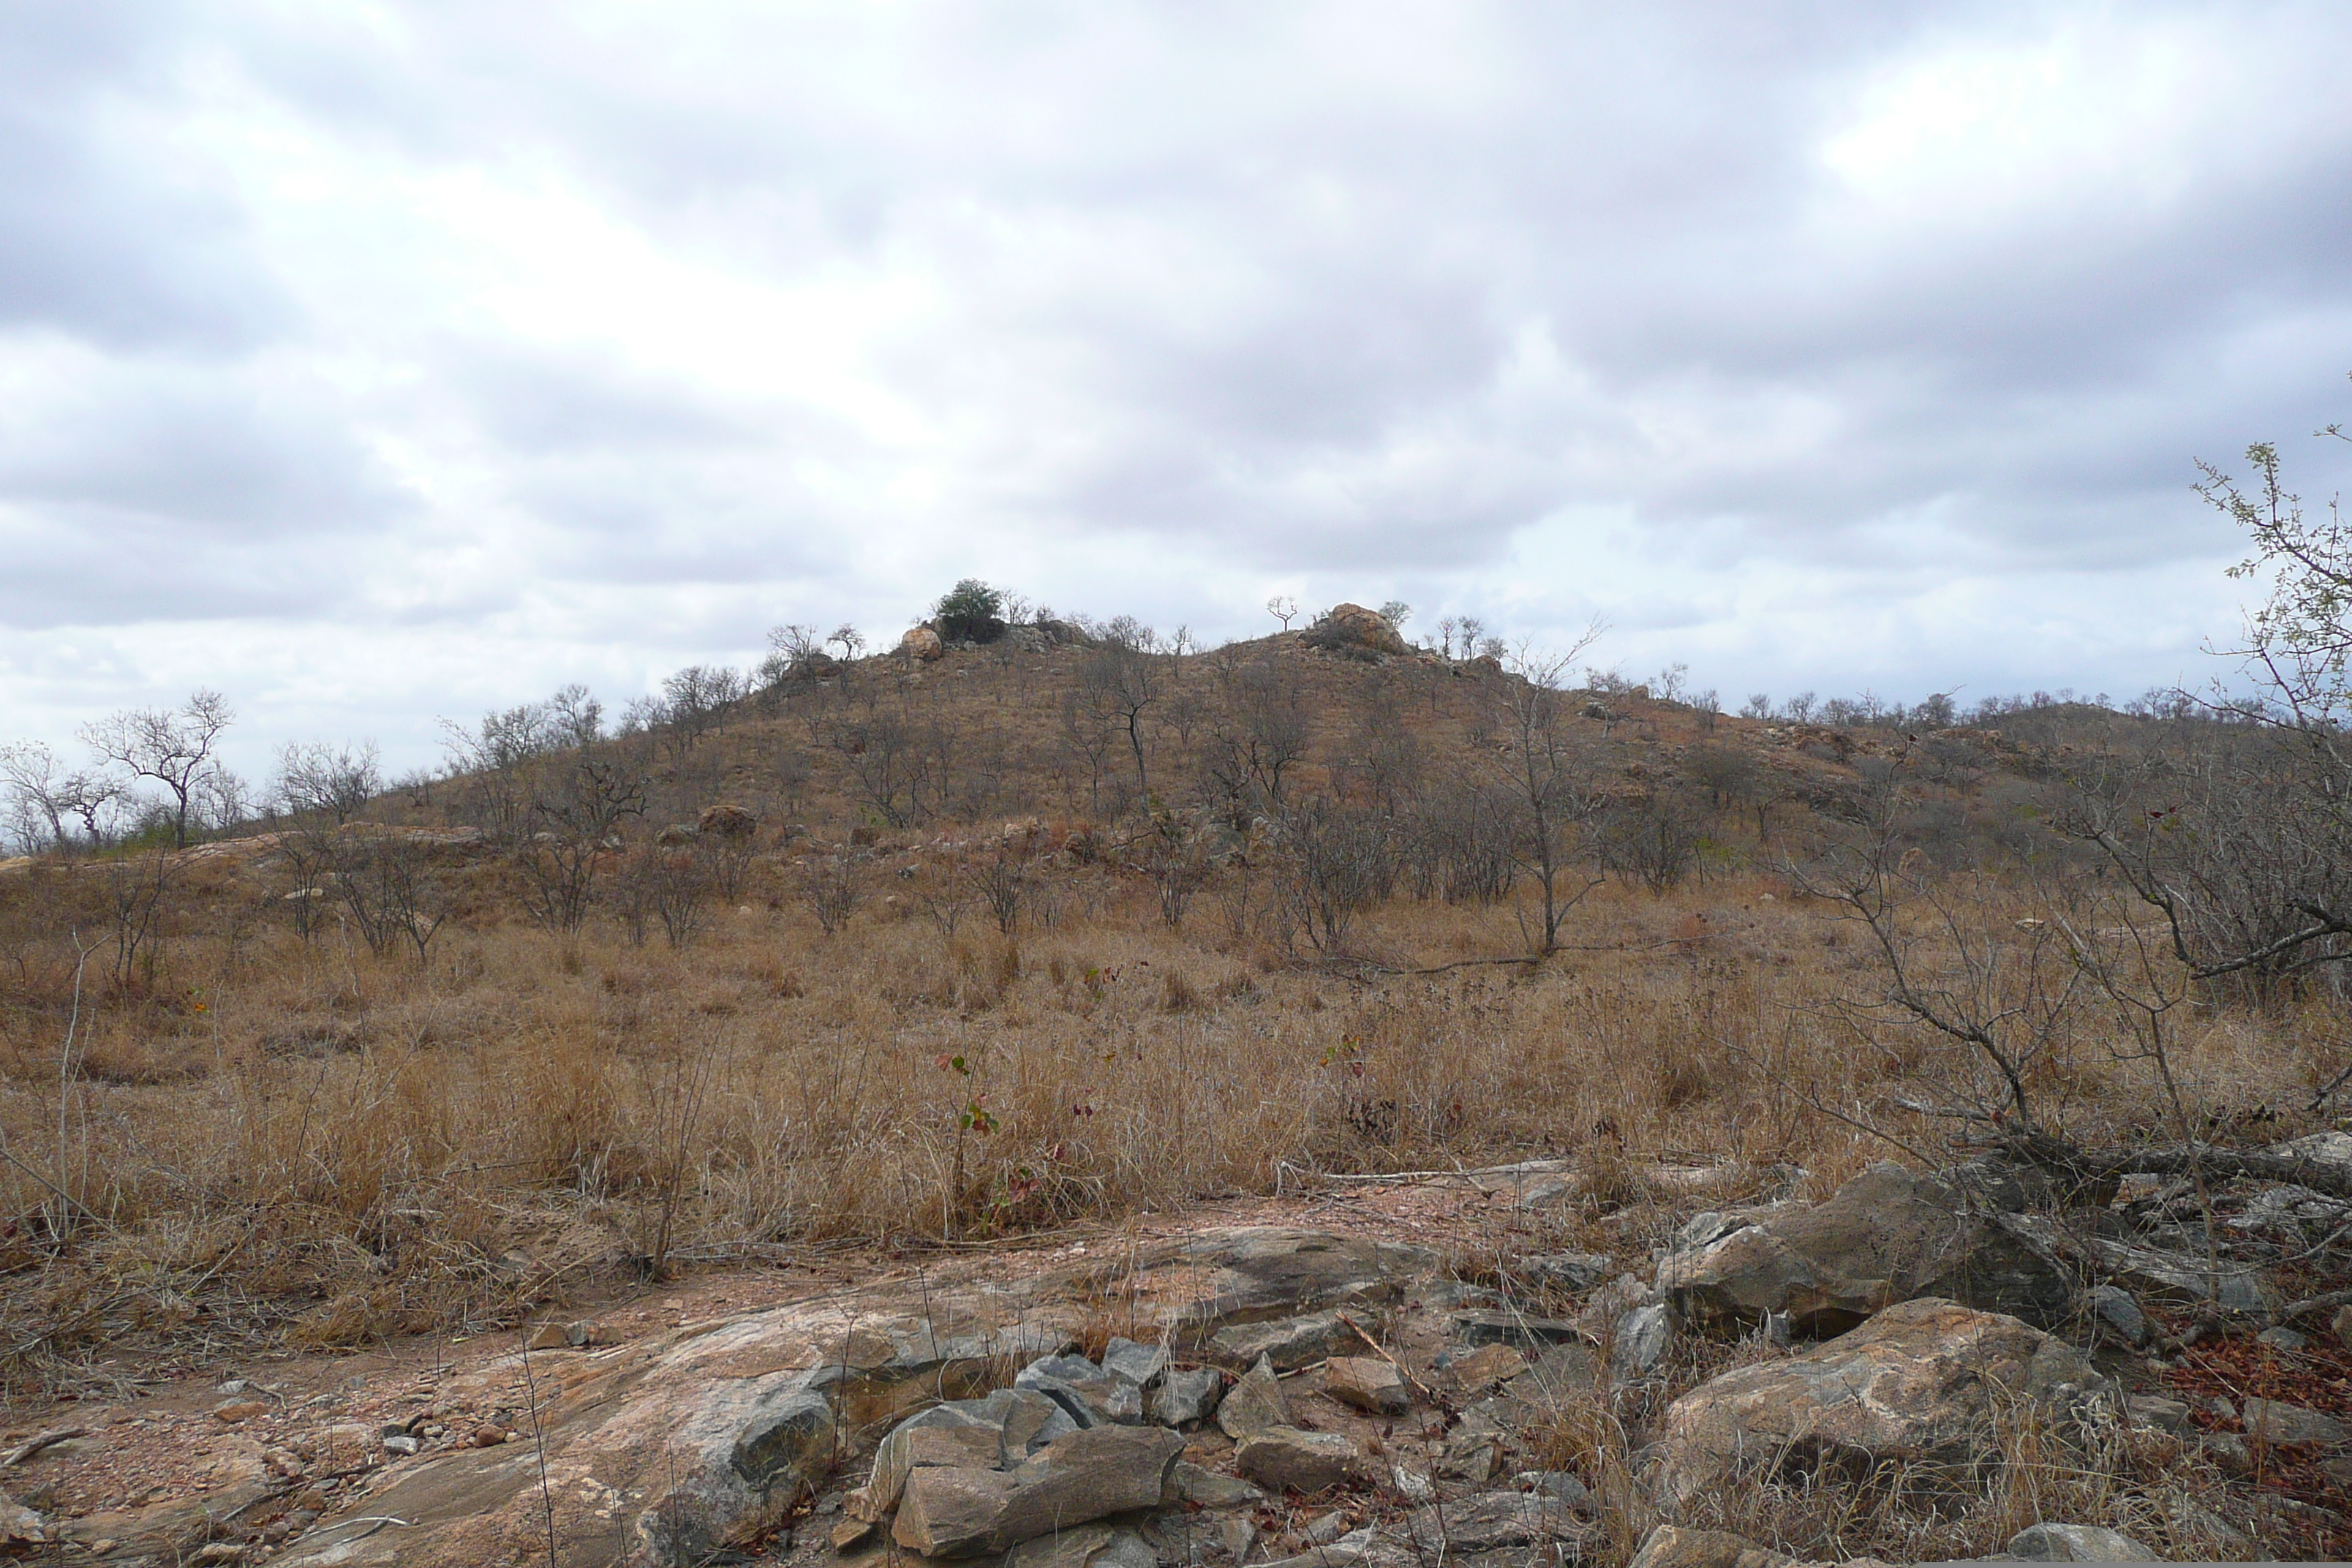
{"type": "Point", "coordinates": [1257, 737]}
{"type": "Point", "coordinates": [1282, 608]}
{"type": "Point", "coordinates": [173, 748]}
{"type": "Point", "coordinates": [831, 885]}
{"type": "Point", "coordinates": [41, 798]}
{"type": "Point", "coordinates": [332, 782]}
{"type": "Point", "coordinates": [577, 809]}
{"type": "Point", "coordinates": [1123, 679]}
{"type": "Point", "coordinates": [1552, 776]}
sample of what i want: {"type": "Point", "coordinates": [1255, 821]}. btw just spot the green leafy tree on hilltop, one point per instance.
{"type": "Point", "coordinates": [972, 611]}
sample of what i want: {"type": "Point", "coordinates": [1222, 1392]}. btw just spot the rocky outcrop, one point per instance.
{"type": "Point", "coordinates": [1890, 1235]}
{"type": "Point", "coordinates": [1924, 1381]}
{"type": "Point", "coordinates": [1352, 628]}
{"type": "Point", "coordinates": [922, 645]}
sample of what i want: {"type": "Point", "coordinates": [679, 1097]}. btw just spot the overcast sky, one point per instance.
{"type": "Point", "coordinates": [373, 362]}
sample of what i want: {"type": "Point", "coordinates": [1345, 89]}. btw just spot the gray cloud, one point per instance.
{"type": "Point", "coordinates": [1745, 325]}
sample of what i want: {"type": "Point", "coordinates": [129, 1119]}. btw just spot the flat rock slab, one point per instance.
{"type": "Point", "coordinates": [1496, 1519]}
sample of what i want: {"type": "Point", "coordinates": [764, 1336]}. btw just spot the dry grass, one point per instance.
{"type": "Point", "coordinates": [268, 1133]}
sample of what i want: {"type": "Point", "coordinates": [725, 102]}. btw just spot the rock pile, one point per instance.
{"type": "Point", "coordinates": [1289, 1397]}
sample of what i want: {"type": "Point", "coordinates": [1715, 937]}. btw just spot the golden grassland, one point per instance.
{"type": "Point", "coordinates": [276, 1134]}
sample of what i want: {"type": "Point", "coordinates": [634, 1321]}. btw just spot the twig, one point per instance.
{"type": "Point", "coordinates": [2338, 1081]}
{"type": "Point", "coordinates": [539, 1443]}
{"type": "Point", "coordinates": [23, 1451]}
{"type": "Point", "coordinates": [1381, 1350]}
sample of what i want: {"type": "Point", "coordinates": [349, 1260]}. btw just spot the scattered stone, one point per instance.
{"type": "Point", "coordinates": [1092, 1396]}
{"type": "Point", "coordinates": [1088, 1546]}
{"type": "Point", "coordinates": [2229, 1451]}
{"type": "Point", "coordinates": [400, 1443]}
{"type": "Point", "coordinates": [1240, 1535]}
{"type": "Point", "coordinates": [1413, 1485]}
{"type": "Point", "coordinates": [1252, 1405]}
{"type": "Point", "coordinates": [1473, 1456]}
{"type": "Point", "coordinates": [234, 1385]}
{"type": "Point", "coordinates": [1561, 1485]}
{"type": "Point", "coordinates": [1368, 1383]}
{"type": "Point", "coordinates": [1326, 1529]}
{"type": "Point", "coordinates": [1640, 1340]}
{"type": "Point", "coordinates": [1923, 1381]}
{"type": "Point", "coordinates": [1576, 1271]}
{"type": "Point", "coordinates": [2340, 1326]}
{"type": "Point", "coordinates": [2154, 1410]}
{"type": "Point", "coordinates": [20, 1524]}
{"type": "Point", "coordinates": [1285, 1459]}
{"type": "Point", "coordinates": [548, 1337]}
{"type": "Point", "coordinates": [1210, 1490]}
{"type": "Point", "coordinates": [2119, 1313]}
{"type": "Point", "coordinates": [238, 1410]}
{"type": "Point", "coordinates": [1140, 1364]}
{"type": "Point", "coordinates": [1349, 1547]}
{"type": "Point", "coordinates": [2076, 1543]}
{"type": "Point", "coordinates": [2269, 1421]}
{"type": "Point", "coordinates": [958, 1512]}
{"type": "Point", "coordinates": [1288, 1342]}
{"type": "Point", "coordinates": [1890, 1235]}
{"type": "Point", "coordinates": [901, 1451]}
{"type": "Point", "coordinates": [1486, 1366]}
{"type": "Point", "coordinates": [1670, 1546]}
{"type": "Point", "coordinates": [2283, 1339]}
{"type": "Point", "coordinates": [1565, 1368]}
{"type": "Point", "coordinates": [1613, 1302]}
{"type": "Point", "coordinates": [1494, 1520]}
{"type": "Point", "coordinates": [847, 1535]}
{"type": "Point", "coordinates": [1516, 1329]}
{"type": "Point", "coordinates": [489, 1434]}
{"type": "Point", "coordinates": [222, 1551]}
{"type": "Point", "coordinates": [1186, 1396]}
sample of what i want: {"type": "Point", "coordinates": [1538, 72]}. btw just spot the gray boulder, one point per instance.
{"type": "Point", "coordinates": [1186, 1396]}
{"type": "Point", "coordinates": [1890, 1235]}
{"type": "Point", "coordinates": [2270, 1421]}
{"type": "Point", "coordinates": [1671, 1546]}
{"type": "Point", "coordinates": [1288, 1342]}
{"type": "Point", "coordinates": [948, 1511]}
{"type": "Point", "coordinates": [1140, 1364]}
{"type": "Point", "coordinates": [1252, 1405]}
{"type": "Point", "coordinates": [1285, 1459]}
{"type": "Point", "coordinates": [2076, 1543]}
{"type": "Point", "coordinates": [1924, 1381]}
{"type": "Point", "coordinates": [1092, 1396]}
{"type": "Point", "coordinates": [1640, 1341]}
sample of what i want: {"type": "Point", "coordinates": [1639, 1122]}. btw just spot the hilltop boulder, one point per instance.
{"type": "Point", "coordinates": [1352, 628]}
{"type": "Point", "coordinates": [922, 644]}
